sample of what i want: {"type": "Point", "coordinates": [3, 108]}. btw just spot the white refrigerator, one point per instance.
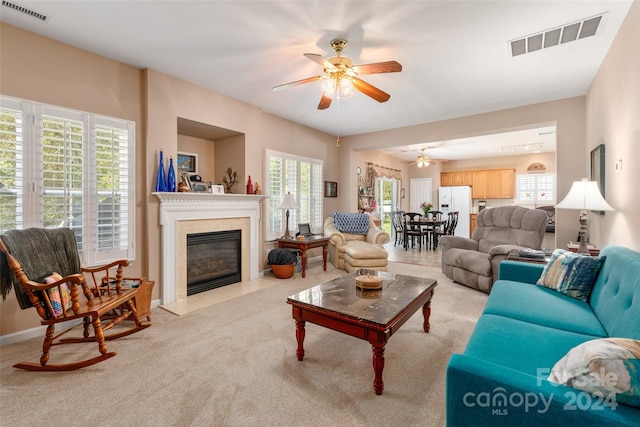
{"type": "Point", "coordinates": [457, 198]}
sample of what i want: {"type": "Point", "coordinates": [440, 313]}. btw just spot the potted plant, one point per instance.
{"type": "Point", "coordinates": [426, 207]}
{"type": "Point", "coordinates": [282, 262]}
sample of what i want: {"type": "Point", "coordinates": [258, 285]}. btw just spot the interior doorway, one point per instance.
{"type": "Point", "coordinates": [420, 191]}
{"type": "Point", "coordinates": [387, 200]}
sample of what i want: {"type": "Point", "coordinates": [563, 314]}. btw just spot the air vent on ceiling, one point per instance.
{"type": "Point", "coordinates": [30, 12]}
{"type": "Point", "coordinates": [555, 36]}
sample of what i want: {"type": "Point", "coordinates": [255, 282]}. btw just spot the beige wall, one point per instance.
{"type": "Point", "coordinates": [85, 81]}
{"type": "Point", "coordinates": [613, 119]}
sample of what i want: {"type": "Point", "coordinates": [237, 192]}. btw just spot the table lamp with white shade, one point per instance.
{"type": "Point", "coordinates": [288, 202]}
{"type": "Point", "coordinates": [584, 196]}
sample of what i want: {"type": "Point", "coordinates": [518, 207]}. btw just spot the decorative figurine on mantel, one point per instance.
{"type": "Point", "coordinates": [249, 186]}
{"type": "Point", "coordinates": [257, 190]}
{"type": "Point", "coordinates": [229, 180]}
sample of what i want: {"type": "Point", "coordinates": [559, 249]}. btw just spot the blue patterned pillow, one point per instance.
{"type": "Point", "coordinates": [354, 223]}
{"type": "Point", "coordinates": [571, 274]}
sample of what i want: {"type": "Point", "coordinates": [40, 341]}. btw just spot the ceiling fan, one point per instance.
{"type": "Point", "coordinates": [340, 76]}
{"type": "Point", "coordinates": [423, 160]}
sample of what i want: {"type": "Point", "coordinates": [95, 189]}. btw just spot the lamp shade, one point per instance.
{"type": "Point", "coordinates": [288, 202]}
{"type": "Point", "coordinates": [584, 195]}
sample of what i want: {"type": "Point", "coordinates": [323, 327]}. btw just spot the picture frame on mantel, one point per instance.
{"type": "Point", "coordinates": [188, 162]}
{"type": "Point", "coordinates": [330, 189]}
{"type": "Point", "coordinates": [597, 169]}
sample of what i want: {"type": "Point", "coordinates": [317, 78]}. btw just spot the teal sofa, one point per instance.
{"type": "Point", "coordinates": [501, 377]}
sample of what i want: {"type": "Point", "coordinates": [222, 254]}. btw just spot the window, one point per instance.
{"type": "Point", "coordinates": [537, 189]}
{"type": "Point", "coordinates": [61, 167]}
{"type": "Point", "coordinates": [303, 178]}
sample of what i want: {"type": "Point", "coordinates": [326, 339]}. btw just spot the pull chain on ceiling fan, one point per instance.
{"type": "Point", "coordinates": [341, 76]}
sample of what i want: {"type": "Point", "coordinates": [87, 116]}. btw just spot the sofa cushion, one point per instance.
{"type": "Point", "coordinates": [523, 346]}
{"type": "Point", "coordinates": [350, 222]}
{"type": "Point", "coordinates": [477, 262]}
{"type": "Point", "coordinates": [571, 273]}
{"type": "Point", "coordinates": [603, 366]}
{"type": "Point", "coordinates": [542, 306]}
{"type": "Point", "coordinates": [365, 250]}
{"type": "Point", "coordinates": [616, 294]}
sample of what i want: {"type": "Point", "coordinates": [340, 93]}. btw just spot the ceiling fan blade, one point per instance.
{"type": "Point", "coordinates": [378, 67]}
{"type": "Point", "coordinates": [325, 102]}
{"type": "Point", "coordinates": [324, 62]}
{"type": "Point", "coordinates": [297, 82]}
{"type": "Point", "coordinates": [370, 90]}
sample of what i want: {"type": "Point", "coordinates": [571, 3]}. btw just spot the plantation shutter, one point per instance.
{"type": "Point", "coordinates": [11, 166]}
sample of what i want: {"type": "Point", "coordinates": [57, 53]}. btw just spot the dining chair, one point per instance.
{"type": "Point", "coordinates": [413, 230]}
{"type": "Point", "coordinates": [397, 222]}
{"type": "Point", "coordinates": [448, 229]}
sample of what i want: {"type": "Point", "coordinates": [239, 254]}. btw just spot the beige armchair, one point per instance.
{"type": "Point", "coordinates": [352, 251]}
{"type": "Point", "coordinates": [474, 262]}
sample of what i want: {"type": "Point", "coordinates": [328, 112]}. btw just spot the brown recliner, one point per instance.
{"type": "Point", "coordinates": [474, 262]}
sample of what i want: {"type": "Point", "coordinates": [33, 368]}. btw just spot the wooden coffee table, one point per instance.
{"type": "Point", "coordinates": [371, 315]}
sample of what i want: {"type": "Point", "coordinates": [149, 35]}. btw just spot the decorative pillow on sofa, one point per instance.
{"type": "Point", "coordinates": [605, 365]}
{"type": "Point", "coordinates": [59, 303]}
{"type": "Point", "coordinates": [571, 273]}
{"type": "Point", "coordinates": [354, 223]}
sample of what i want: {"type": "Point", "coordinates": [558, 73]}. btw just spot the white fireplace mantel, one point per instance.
{"type": "Point", "coordinates": [176, 207]}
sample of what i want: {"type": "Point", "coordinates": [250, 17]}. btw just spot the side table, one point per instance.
{"type": "Point", "coordinates": [593, 251]}
{"type": "Point", "coordinates": [303, 245]}
{"type": "Point", "coordinates": [514, 255]}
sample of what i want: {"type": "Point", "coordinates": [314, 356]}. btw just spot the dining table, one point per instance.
{"type": "Point", "coordinates": [428, 223]}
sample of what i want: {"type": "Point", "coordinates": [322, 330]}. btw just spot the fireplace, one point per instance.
{"type": "Point", "coordinates": [182, 214]}
{"type": "Point", "coordinates": [213, 260]}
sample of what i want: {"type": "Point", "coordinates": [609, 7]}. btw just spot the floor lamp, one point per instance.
{"type": "Point", "coordinates": [288, 202]}
{"type": "Point", "coordinates": [584, 196]}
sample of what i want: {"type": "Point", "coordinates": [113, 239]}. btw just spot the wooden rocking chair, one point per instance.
{"type": "Point", "coordinates": [46, 264]}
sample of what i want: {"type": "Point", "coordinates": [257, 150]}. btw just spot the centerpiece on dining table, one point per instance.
{"type": "Point", "coordinates": [426, 207]}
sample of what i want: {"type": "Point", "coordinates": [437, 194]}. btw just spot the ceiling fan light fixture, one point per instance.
{"type": "Point", "coordinates": [422, 160]}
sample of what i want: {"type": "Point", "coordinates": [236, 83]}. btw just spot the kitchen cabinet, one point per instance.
{"type": "Point", "coordinates": [456, 178]}
{"type": "Point", "coordinates": [486, 184]}
{"type": "Point", "coordinates": [507, 183]}
{"type": "Point", "coordinates": [479, 185]}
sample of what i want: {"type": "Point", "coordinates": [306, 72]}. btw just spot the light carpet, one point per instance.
{"type": "Point", "coordinates": [234, 364]}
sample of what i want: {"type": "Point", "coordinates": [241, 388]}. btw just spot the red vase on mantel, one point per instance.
{"type": "Point", "coordinates": [249, 186]}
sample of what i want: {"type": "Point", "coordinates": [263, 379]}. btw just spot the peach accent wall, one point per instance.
{"type": "Point", "coordinates": [83, 81]}
{"type": "Point", "coordinates": [168, 98]}
{"type": "Point", "coordinates": [613, 119]}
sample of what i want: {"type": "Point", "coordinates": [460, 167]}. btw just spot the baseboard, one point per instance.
{"type": "Point", "coordinates": [39, 331]}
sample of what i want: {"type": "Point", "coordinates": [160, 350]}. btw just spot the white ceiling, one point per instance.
{"type": "Point", "coordinates": [455, 54]}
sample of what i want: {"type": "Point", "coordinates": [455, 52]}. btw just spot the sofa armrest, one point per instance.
{"type": "Point", "coordinates": [517, 271]}
{"type": "Point", "coordinates": [334, 235]}
{"type": "Point", "coordinates": [377, 236]}
{"type": "Point", "coordinates": [450, 242]}
{"type": "Point", "coordinates": [503, 249]}
{"type": "Point", "coordinates": [492, 395]}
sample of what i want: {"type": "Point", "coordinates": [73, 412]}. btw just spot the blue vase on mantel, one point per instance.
{"type": "Point", "coordinates": [171, 177]}
{"type": "Point", "coordinates": [161, 180]}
